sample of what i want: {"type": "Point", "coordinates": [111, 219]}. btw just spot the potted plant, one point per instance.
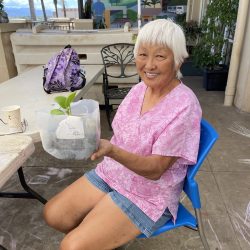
{"type": "Point", "coordinates": [3, 15]}
{"type": "Point", "coordinates": [72, 129]}
{"type": "Point", "coordinates": [192, 32]}
{"type": "Point", "coordinates": [212, 52]}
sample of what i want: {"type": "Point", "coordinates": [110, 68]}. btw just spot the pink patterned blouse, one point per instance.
{"type": "Point", "coordinates": [170, 128]}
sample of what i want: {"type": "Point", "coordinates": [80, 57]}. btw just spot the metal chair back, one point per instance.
{"type": "Point", "coordinates": [119, 63]}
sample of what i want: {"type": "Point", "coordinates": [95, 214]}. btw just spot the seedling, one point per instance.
{"type": "Point", "coordinates": [64, 103]}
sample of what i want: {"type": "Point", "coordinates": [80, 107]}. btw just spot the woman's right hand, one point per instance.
{"type": "Point", "coordinates": [105, 147]}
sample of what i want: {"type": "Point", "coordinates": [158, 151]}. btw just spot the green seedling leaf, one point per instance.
{"type": "Point", "coordinates": [57, 112]}
{"type": "Point", "coordinates": [64, 103]}
{"type": "Point", "coordinates": [68, 111]}
{"type": "Point", "coordinates": [61, 100]}
{"type": "Point", "coordinates": [70, 99]}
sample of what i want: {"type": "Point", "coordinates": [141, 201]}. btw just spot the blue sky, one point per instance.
{"type": "Point", "coordinates": [49, 4]}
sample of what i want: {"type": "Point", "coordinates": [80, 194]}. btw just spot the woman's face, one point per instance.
{"type": "Point", "coordinates": [155, 65]}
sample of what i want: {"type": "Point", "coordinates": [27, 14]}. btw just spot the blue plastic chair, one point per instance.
{"type": "Point", "coordinates": [184, 217]}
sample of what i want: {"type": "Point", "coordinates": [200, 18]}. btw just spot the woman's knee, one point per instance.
{"type": "Point", "coordinates": [53, 216]}
{"type": "Point", "coordinates": [50, 213]}
{"type": "Point", "coordinates": [70, 242]}
{"type": "Point", "coordinates": [57, 217]}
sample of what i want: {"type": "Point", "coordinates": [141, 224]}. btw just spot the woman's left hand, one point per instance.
{"type": "Point", "coordinates": [104, 149]}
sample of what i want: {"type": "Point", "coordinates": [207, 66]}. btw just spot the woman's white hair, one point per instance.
{"type": "Point", "coordinates": [166, 33]}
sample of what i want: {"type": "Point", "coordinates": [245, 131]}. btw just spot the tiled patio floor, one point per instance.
{"type": "Point", "coordinates": [224, 183]}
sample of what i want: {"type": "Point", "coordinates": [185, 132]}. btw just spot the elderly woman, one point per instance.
{"type": "Point", "coordinates": [136, 188]}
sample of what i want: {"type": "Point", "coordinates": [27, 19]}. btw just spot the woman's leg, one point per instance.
{"type": "Point", "coordinates": [105, 227]}
{"type": "Point", "coordinates": [67, 209]}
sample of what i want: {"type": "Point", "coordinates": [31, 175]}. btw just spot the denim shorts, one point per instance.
{"type": "Point", "coordinates": [146, 225]}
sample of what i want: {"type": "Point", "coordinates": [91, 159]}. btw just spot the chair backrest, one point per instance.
{"type": "Point", "coordinates": [118, 60]}
{"type": "Point", "coordinates": [207, 139]}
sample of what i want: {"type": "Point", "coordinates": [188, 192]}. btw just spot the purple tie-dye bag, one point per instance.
{"type": "Point", "coordinates": [63, 72]}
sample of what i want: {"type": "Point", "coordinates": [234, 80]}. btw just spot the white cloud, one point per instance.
{"type": "Point", "coordinates": [49, 4]}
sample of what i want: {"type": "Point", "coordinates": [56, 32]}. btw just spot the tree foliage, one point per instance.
{"type": "Point", "coordinates": [1, 5]}
{"type": "Point", "coordinates": [145, 3]}
{"type": "Point", "coordinates": [154, 2]}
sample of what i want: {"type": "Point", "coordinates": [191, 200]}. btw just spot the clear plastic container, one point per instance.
{"type": "Point", "coordinates": [71, 137]}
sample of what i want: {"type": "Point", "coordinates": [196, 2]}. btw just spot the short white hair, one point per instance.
{"type": "Point", "coordinates": [166, 33]}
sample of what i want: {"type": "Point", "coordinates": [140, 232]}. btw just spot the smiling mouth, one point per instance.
{"type": "Point", "coordinates": [150, 75]}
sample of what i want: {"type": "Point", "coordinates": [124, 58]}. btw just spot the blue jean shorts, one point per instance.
{"type": "Point", "coordinates": [146, 225]}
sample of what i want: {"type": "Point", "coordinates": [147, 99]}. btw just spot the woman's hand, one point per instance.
{"type": "Point", "coordinates": [104, 149]}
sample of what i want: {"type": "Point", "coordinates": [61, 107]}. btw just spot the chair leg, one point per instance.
{"type": "Point", "coordinates": [108, 112]}
{"type": "Point", "coordinates": [201, 229]}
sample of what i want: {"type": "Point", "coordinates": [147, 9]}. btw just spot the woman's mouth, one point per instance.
{"type": "Point", "coordinates": [150, 74]}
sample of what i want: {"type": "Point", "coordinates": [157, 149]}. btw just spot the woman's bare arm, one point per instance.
{"type": "Point", "coordinates": [150, 167]}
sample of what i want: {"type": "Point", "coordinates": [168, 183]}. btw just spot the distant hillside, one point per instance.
{"type": "Point", "coordinates": [25, 12]}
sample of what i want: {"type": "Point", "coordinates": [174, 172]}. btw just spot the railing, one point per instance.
{"type": "Point", "coordinates": [54, 25]}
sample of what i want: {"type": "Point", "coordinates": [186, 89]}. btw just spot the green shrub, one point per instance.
{"type": "Point", "coordinates": [220, 16]}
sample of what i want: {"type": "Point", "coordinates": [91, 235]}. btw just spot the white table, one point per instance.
{"type": "Point", "coordinates": [26, 90]}
{"type": "Point", "coordinates": [14, 151]}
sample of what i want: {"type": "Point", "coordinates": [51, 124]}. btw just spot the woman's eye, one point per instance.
{"type": "Point", "coordinates": [160, 56]}
{"type": "Point", "coordinates": [142, 54]}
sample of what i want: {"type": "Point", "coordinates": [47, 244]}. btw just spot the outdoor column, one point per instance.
{"type": "Point", "coordinates": [242, 95]}
{"type": "Point", "coordinates": [7, 65]}
{"type": "Point", "coordinates": [236, 58]}
{"type": "Point", "coordinates": [193, 10]}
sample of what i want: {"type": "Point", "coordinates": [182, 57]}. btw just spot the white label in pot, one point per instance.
{"type": "Point", "coordinates": [70, 128]}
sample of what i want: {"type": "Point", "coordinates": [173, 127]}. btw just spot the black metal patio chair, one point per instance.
{"type": "Point", "coordinates": [119, 63]}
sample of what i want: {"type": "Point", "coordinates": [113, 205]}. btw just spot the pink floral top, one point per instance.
{"type": "Point", "coordinates": [170, 128]}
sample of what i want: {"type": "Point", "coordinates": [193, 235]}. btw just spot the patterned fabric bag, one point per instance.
{"type": "Point", "coordinates": [63, 72]}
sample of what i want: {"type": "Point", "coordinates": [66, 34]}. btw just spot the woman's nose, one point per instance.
{"type": "Point", "coordinates": [150, 63]}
